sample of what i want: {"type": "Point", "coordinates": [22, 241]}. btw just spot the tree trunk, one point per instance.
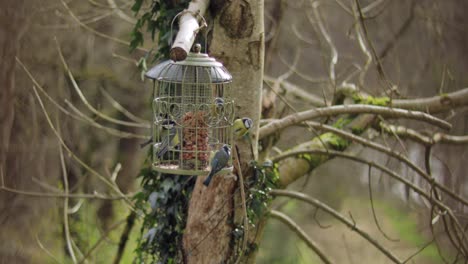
{"type": "Point", "coordinates": [238, 41]}
{"type": "Point", "coordinates": [13, 221]}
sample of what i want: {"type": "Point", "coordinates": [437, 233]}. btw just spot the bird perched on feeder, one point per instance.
{"type": "Point", "coordinates": [150, 140]}
{"type": "Point", "coordinates": [219, 161]}
{"type": "Point", "coordinates": [242, 126]}
{"type": "Point", "coordinates": [169, 137]}
{"type": "Point", "coordinates": [217, 108]}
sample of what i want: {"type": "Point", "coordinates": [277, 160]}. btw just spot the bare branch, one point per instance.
{"type": "Point", "coordinates": [65, 200]}
{"type": "Point", "coordinates": [79, 115]}
{"type": "Point", "coordinates": [426, 140]}
{"type": "Point", "coordinates": [401, 31]}
{"type": "Point", "coordinates": [350, 223]}
{"type": "Point", "coordinates": [436, 104]}
{"type": "Point", "coordinates": [290, 120]}
{"type": "Point", "coordinates": [106, 181]}
{"type": "Point", "coordinates": [100, 34]}
{"type": "Point", "coordinates": [46, 250]}
{"type": "Point", "coordinates": [118, 11]}
{"type": "Point", "coordinates": [429, 197]}
{"type": "Point", "coordinates": [124, 237]}
{"type": "Point", "coordinates": [374, 214]}
{"type": "Point", "coordinates": [102, 238]}
{"type": "Point", "coordinates": [302, 235]}
{"type": "Point", "coordinates": [110, 130]}
{"type": "Point", "coordinates": [326, 36]}
{"type": "Point", "coordinates": [378, 63]}
{"type": "Point", "coordinates": [295, 91]}
{"type": "Point", "coordinates": [362, 45]}
{"type": "Point", "coordinates": [188, 29]}
{"type": "Point", "coordinates": [122, 109]}
{"type": "Point", "coordinates": [391, 153]}
{"type": "Point", "coordinates": [85, 101]}
{"type": "Point", "coordinates": [63, 195]}
{"type": "Point", "coordinates": [302, 75]}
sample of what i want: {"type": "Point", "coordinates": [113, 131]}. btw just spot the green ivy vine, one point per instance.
{"type": "Point", "coordinates": [162, 203]}
{"type": "Point", "coordinates": [265, 178]}
{"type": "Point", "coordinates": [157, 17]}
{"type": "Point", "coordinates": [163, 200]}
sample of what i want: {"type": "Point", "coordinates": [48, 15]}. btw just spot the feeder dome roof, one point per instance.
{"type": "Point", "coordinates": [197, 67]}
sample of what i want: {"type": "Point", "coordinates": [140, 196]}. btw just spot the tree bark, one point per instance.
{"type": "Point", "coordinates": [238, 42]}
{"type": "Point", "coordinates": [13, 220]}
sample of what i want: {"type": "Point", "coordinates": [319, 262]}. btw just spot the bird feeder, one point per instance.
{"type": "Point", "coordinates": [192, 101]}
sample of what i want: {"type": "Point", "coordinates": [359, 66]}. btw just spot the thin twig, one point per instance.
{"type": "Point", "coordinates": [102, 238]}
{"type": "Point", "coordinates": [125, 236]}
{"type": "Point", "coordinates": [350, 223]}
{"type": "Point", "coordinates": [302, 235]}
{"type": "Point", "coordinates": [118, 11]}
{"type": "Point", "coordinates": [85, 101]}
{"type": "Point", "coordinates": [418, 251]}
{"type": "Point", "coordinates": [63, 195]}
{"type": "Point", "coordinates": [373, 208]}
{"type": "Point", "coordinates": [122, 109]}
{"type": "Point", "coordinates": [65, 200]}
{"type": "Point", "coordinates": [110, 184]}
{"type": "Point", "coordinates": [46, 250]}
{"type": "Point", "coordinates": [100, 34]}
{"type": "Point", "coordinates": [326, 36]}
{"type": "Point", "coordinates": [362, 45]}
{"type": "Point", "coordinates": [244, 206]}
{"type": "Point", "coordinates": [378, 64]}
{"type": "Point", "coordinates": [112, 131]}
{"type": "Point", "coordinates": [424, 139]}
{"type": "Point", "coordinates": [296, 91]}
{"type": "Point", "coordinates": [79, 116]}
{"type": "Point", "coordinates": [389, 172]}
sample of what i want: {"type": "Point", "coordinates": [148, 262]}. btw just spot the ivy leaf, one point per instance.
{"type": "Point", "coordinates": [150, 235]}
{"type": "Point", "coordinates": [136, 6]}
{"type": "Point", "coordinates": [153, 200]}
{"type": "Point", "coordinates": [167, 184]}
{"type": "Point", "coordinates": [137, 40]}
{"type": "Point", "coordinates": [141, 65]}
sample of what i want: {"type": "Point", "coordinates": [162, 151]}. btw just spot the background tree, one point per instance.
{"type": "Point", "coordinates": [339, 79]}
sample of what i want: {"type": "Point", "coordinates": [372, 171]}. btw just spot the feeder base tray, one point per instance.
{"type": "Point", "coordinates": [175, 169]}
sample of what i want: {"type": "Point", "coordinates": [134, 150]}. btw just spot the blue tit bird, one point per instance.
{"type": "Point", "coordinates": [218, 107]}
{"type": "Point", "coordinates": [169, 138]}
{"type": "Point", "coordinates": [219, 161]}
{"type": "Point", "coordinates": [242, 126]}
{"type": "Point", "coordinates": [165, 121]}
{"type": "Point", "coordinates": [219, 103]}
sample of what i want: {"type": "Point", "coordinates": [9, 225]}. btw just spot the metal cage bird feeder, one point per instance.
{"type": "Point", "coordinates": [193, 113]}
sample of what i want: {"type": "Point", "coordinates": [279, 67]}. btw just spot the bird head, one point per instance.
{"type": "Point", "coordinates": [168, 124]}
{"type": "Point", "coordinates": [247, 122]}
{"type": "Point", "coordinates": [219, 101]}
{"type": "Point", "coordinates": [227, 149]}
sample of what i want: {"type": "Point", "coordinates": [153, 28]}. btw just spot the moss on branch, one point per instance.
{"type": "Point", "coordinates": [370, 100]}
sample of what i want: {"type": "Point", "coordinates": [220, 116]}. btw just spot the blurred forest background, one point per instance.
{"type": "Point", "coordinates": [422, 46]}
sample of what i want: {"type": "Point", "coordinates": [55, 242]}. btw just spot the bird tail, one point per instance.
{"type": "Point", "coordinates": [161, 152]}
{"type": "Point", "coordinates": [207, 181]}
{"type": "Point", "coordinates": [144, 144]}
